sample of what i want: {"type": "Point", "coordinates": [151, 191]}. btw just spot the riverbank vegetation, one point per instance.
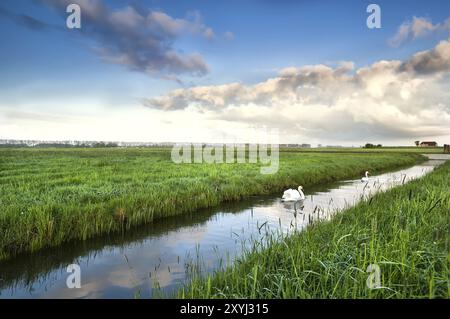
{"type": "Point", "coordinates": [404, 232]}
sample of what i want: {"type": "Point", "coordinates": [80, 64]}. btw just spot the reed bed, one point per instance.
{"type": "Point", "coordinates": [51, 196]}
{"type": "Point", "coordinates": [404, 231]}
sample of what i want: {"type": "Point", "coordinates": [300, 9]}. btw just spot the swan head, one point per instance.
{"type": "Point", "coordinates": [300, 188]}
{"type": "Point", "coordinates": [367, 173]}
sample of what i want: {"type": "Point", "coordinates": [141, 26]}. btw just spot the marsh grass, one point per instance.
{"type": "Point", "coordinates": [405, 231]}
{"type": "Point", "coordinates": [52, 196]}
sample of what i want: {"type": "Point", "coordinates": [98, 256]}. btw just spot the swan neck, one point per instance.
{"type": "Point", "coordinates": [301, 193]}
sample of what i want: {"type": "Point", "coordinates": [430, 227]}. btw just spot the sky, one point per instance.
{"type": "Point", "coordinates": [226, 71]}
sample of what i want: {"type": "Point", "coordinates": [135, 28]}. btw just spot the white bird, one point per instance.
{"type": "Point", "coordinates": [292, 195]}
{"type": "Point", "coordinates": [366, 178]}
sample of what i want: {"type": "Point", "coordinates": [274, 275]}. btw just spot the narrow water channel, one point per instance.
{"type": "Point", "coordinates": [156, 259]}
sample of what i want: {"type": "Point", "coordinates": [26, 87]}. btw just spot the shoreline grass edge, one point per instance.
{"type": "Point", "coordinates": [404, 231]}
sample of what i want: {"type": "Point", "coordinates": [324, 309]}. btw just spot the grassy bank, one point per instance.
{"type": "Point", "coordinates": [404, 231]}
{"type": "Point", "coordinates": [50, 196]}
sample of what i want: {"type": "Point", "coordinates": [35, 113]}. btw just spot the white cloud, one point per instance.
{"type": "Point", "coordinates": [229, 35]}
{"type": "Point", "coordinates": [209, 34]}
{"type": "Point", "coordinates": [389, 99]}
{"type": "Point", "coordinates": [418, 27]}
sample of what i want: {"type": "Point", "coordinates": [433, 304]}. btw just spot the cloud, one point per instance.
{"type": "Point", "coordinates": [25, 20]}
{"type": "Point", "coordinates": [418, 27]}
{"type": "Point", "coordinates": [229, 35]}
{"type": "Point", "coordinates": [432, 61]}
{"type": "Point", "coordinates": [140, 39]}
{"type": "Point", "coordinates": [386, 99]}
{"type": "Point", "coordinates": [209, 34]}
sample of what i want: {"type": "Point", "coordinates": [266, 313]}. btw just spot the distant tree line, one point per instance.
{"type": "Point", "coordinates": [103, 144]}
{"type": "Point", "coordinates": [59, 145]}
{"type": "Point", "coordinates": [13, 145]}
{"type": "Point", "coordinates": [370, 145]}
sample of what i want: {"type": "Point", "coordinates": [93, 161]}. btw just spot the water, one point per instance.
{"type": "Point", "coordinates": [158, 258]}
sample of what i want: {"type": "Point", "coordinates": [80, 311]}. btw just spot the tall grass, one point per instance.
{"type": "Point", "coordinates": [404, 231]}
{"type": "Point", "coordinates": [51, 196]}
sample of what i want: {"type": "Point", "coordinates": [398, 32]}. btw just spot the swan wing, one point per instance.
{"type": "Point", "coordinates": [293, 195]}
{"type": "Point", "coordinates": [287, 194]}
{"type": "Point", "coordinates": [297, 195]}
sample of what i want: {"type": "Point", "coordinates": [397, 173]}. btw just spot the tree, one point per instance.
{"type": "Point", "coordinates": [417, 143]}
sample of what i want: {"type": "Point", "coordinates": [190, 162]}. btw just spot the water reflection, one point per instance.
{"type": "Point", "coordinates": [161, 255]}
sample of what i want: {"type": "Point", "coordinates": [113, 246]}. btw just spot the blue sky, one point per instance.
{"type": "Point", "coordinates": [55, 71]}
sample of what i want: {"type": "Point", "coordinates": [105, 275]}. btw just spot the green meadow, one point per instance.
{"type": "Point", "coordinates": [51, 196]}
{"type": "Point", "coordinates": [404, 231]}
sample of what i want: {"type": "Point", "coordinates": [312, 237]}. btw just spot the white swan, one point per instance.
{"type": "Point", "coordinates": [291, 195]}
{"type": "Point", "coordinates": [366, 178]}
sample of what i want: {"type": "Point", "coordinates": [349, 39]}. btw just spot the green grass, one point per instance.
{"type": "Point", "coordinates": [51, 196]}
{"type": "Point", "coordinates": [405, 231]}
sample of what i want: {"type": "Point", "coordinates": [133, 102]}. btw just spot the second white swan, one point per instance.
{"type": "Point", "coordinates": [366, 178]}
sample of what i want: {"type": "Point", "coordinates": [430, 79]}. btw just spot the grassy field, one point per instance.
{"type": "Point", "coordinates": [51, 196]}
{"type": "Point", "coordinates": [404, 231]}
